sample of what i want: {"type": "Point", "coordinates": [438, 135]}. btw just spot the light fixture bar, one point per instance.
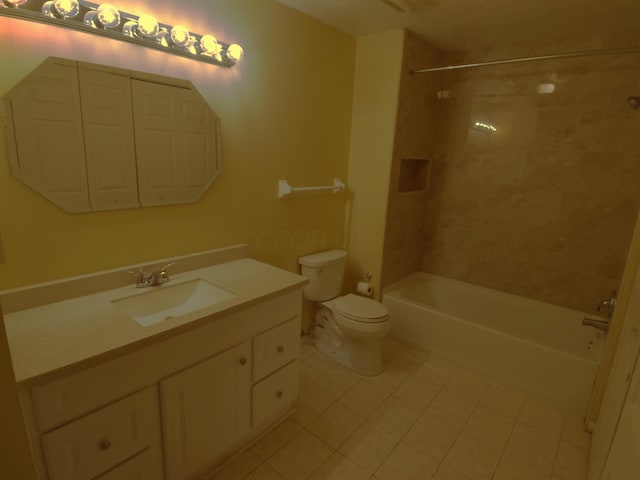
{"type": "Point", "coordinates": [107, 21]}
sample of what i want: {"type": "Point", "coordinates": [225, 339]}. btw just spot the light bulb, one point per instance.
{"type": "Point", "coordinates": [16, 3]}
{"type": "Point", "coordinates": [209, 45]}
{"type": "Point", "coordinates": [148, 25]}
{"type": "Point", "coordinates": [180, 35]}
{"type": "Point", "coordinates": [235, 52]}
{"type": "Point", "coordinates": [67, 8]}
{"type": "Point", "coordinates": [90, 19]}
{"type": "Point", "coordinates": [108, 15]}
{"type": "Point", "coordinates": [47, 9]}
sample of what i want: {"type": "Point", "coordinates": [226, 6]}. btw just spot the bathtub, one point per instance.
{"type": "Point", "coordinates": [538, 348]}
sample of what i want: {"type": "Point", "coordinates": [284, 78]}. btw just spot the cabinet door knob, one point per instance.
{"type": "Point", "coordinates": [279, 394]}
{"type": "Point", "coordinates": [243, 361]}
{"type": "Point", "coordinates": [105, 444]}
{"type": "Point", "coordinates": [280, 349]}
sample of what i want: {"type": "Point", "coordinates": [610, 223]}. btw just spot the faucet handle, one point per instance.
{"type": "Point", "coordinates": [140, 276]}
{"type": "Point", "coordinates": [164, 269]}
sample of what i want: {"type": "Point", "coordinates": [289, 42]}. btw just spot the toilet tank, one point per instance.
{"type": "Point", "coordinates": [325, 271]}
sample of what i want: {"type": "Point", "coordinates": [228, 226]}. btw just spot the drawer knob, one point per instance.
{"type": "Point", "coordinates": [105, 444]}
{"type": "Point", "coordinates": [280, 349]}
{"type": "Point", "coordinates": [243, 361]}
{"type": "Point", "coordinates": [279, 394]}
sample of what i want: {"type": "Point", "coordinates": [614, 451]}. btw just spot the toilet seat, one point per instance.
{"type": "Point", "coordinates": [361, 309]}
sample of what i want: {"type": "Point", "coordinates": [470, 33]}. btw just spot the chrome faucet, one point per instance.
{"type": "Point", "coordinates": [608, 305]}
{"type": "Point", "coordinates": [151, 279]}
{"type": "Point", "coordinates": [595, 323]}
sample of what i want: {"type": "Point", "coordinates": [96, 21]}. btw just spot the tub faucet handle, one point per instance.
{"type": "Point", "coordinates": [608, 304]}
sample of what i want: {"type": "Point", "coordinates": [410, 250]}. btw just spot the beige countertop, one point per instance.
{"type": "Point", "coordinates": [82, 331]}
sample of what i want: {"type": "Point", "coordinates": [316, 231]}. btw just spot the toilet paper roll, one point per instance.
{"type": "Point", "coordinates": [365, 288]}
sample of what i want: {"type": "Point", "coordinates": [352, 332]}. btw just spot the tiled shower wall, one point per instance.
{"type": "Point", "coordinates": [415, 137]}
{"type": "Point", "coordinates": [545, 205]}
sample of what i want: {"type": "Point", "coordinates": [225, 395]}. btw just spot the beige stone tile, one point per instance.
{"type": "Point", "coordinates": [276, 439]}
{"type": "Point", "coordinates": [390, 378]}
{"type": "Point", "coordinates": [264, 472]}
{"type": "Point", "coordinates": [364, 397]}
{"type": "Point", "coordinates": [529, 455]}
{"type": "Point", "coordinates": [369, 446]}
{"type": "Point", "coordinates": [418, 390]}
{"type": "Point", "coordinates": [503, 400]}
{"type": "Point", "coordinates": [489, 427]}
{"type": "Point", "coordinates": [542, 416]}
{"type": "Point", "coordinates": [436, 370]}
{"type": "Point", "coordinates": [445, 473]}
{"type": "Point", "coordinates": [336, 424]}
{"type": "Point", "coordinates": [571, 463]}
{"type": "Point", "coordinates": [339, 380]}
{"type": "Point", "coordinates": [473, 456]}
{"type": "Point", "coordinates": [300, 457]}
{"type": "Point", "coordinates": [407, 463]}
{"type": "Point", "coordinates": [312, 401]}
{"type": "Point", "coordinates": [339, 467]}
{"type": "Point", "coordinates": [239, 467]}
{"type": "Point", "coordinates": [452, 406]}
{"type": "Point", "coordinates": [396, 415]}
{"type": "Point", "coordinates": [468, 385]}
{"type": "Point", "coordinates": [437, 429]}
{"type": "Point", "coordinates": [407, 358]}
{"type": "Point", "coordinates": [389, 346]}
{"type": "Point", "coordinates": [313, 366]}
{"type": "Point", "coordinates": [573, 433]}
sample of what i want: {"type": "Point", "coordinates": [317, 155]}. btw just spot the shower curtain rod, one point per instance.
{"type": "Point", "coordinates": [618, 51]}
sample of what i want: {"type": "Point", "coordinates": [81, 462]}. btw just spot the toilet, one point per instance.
{"type": "Point", "coordinates": [349, 328]}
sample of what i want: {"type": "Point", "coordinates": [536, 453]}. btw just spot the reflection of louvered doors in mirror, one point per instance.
{"type": "Point", "coordinates": [91, 137]}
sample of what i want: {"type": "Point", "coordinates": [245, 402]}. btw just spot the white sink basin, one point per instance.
{"type": "Point", "coordinates": [169, 301]}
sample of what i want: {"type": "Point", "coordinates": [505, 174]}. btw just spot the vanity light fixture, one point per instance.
{"type": "Point", "coordinates": [108, 21]}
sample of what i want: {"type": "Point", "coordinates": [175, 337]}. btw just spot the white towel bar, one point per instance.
{"type": "Point", "coordinates": [284, 189]}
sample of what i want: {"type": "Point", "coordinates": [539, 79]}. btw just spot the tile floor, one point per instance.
{"type": "Point", "coordinates": [422, 418]}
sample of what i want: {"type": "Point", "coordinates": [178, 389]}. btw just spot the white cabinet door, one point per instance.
{"type": "Point", "coordinates": [623, 462]}
{"type": "Point", "coordinates": [108, 133]}
{"type": "Point", "coordinates": [44, 130]}
{"type": "Point", "coordinates": [176, 143]}
{"type": "Point", "coordinates": [618, 384]}
{"type": "Point", "coordinates": [205, 410]}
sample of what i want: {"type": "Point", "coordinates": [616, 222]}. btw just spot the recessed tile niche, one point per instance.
{"type": "Point", "coordinates": [414, 175]}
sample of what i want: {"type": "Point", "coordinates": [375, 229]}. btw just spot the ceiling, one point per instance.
{"type": "Point", "coordinates": [469, 24]}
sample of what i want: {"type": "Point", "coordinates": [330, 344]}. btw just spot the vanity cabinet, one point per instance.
{"type": "Point", "coordinates": [91, 137]}
{"type": "Point", "coordinates": [174, 408]}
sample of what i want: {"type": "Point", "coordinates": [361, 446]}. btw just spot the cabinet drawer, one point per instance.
{"type": "Point", "coordinates": [275, 394]}
{"type": "Point", "coordinates": [144, 466]}
{"type": "Point", "coordinates": [275, 348]}
{"type": "Point", "coordinates": [103, 439]}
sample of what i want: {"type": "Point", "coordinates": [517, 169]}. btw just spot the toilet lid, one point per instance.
{"type": "Point", "coordinates": [360, 308]}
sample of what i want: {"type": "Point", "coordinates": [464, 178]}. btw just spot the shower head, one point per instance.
{"type": "Point", "coordinates": [634, 102]}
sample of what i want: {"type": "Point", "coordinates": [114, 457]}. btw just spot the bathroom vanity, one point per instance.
{"type": "Point", "coordinates": [106, 397]}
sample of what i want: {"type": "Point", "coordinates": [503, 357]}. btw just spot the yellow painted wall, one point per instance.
{"type": "Point", "coordinates": [375, 103]}
{"type": "Point", "coordinates": [285, 111]}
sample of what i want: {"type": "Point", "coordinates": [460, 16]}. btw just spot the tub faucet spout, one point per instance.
{"type": "Point", "coordinates": [595, 323]}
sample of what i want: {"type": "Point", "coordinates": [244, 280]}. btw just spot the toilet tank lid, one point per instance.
{"type": "Point", "coordinates": [323, 259]}
{"type": "Point", "coordinates": [361, 307]}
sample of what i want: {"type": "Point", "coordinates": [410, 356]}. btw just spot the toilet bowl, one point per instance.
{"type": "Point", "coordinates": [350, 329]}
